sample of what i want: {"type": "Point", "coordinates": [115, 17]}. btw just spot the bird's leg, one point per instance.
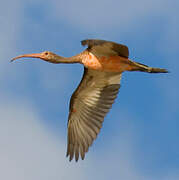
{"type": "Point", "coordinates": [144, 68]}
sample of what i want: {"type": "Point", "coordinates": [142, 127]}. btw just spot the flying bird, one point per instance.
{"type": "Point", "coordinates": [104, 62]}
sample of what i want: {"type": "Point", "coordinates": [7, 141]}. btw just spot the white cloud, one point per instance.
{"type": "Point", "coordinates": [28, 150]}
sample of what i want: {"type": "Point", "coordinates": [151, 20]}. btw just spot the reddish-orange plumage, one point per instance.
{"type": "Point", "coordinates": [107, 64]}
{"type": "Point", "coordinates": [104, 62]}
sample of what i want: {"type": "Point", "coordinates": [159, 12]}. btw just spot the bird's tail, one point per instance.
{"type": "Point", "coordinates": [145, 68]}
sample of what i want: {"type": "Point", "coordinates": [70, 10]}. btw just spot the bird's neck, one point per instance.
{"type": "Point", "coordinates": [59, 59]}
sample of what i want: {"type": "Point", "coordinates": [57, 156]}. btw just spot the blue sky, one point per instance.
{"type": "Point", "coordinates": [139, 138]}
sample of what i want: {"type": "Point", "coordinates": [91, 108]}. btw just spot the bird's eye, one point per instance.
{"type": "Point", "coordinates": [46, 53]}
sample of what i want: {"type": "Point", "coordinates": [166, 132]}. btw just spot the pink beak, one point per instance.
{"type": "Point", "coordinates": [33, 55]}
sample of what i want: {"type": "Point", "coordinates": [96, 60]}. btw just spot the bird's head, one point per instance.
{"type": "Point", "coordinates": [46, 56]}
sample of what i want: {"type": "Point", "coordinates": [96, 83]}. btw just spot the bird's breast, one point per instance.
{"type": "Point", "coordinates": [110, 64]}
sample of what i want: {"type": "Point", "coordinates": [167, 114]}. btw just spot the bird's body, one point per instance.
{"type": "Point", "coordinates": [107, 64]}
{"type": "Point", "coordinates": [104, 62]}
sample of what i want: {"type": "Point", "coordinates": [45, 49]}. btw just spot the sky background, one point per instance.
{"type": "Point", "coordinates": [139, 139]}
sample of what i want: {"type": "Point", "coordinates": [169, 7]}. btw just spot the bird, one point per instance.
{"type": "Point", "coordinates": [104, 62]}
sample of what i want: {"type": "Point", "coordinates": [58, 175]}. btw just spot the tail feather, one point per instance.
{"type": "Point", "coordinates": [145, 68]}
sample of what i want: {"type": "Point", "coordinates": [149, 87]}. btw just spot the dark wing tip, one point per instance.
{"type": "Point", "coordinates": [70, 156]}
{"type": "Point", "coordinates": [76, 157]}
{"type": "Point", "coordinates": [73, 154]}
{"type": "Point", "coordinates": [70, 159]}
{"type": "Point", "coordinates": [92, 42]}
{"type": "Point", "coordinates": [83, 157]}
{"type": "Point", "coordinates": [84, 42]}
{"type": "Point", "coordinates": [87, 42]}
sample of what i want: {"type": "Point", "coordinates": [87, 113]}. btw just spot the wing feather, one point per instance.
{"type": "Point", "coordinates": [89, 104]}
{"type": "Point", "coordinates": [105, 48]}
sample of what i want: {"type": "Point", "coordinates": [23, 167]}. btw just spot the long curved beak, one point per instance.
{"type": "Point", "coordinates": [33, 55]}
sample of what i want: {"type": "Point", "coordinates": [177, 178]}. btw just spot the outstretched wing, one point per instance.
{"type": "Point", "coordinates": [106, 48]}
{"type": "Point", "coordinates": [88, 106]}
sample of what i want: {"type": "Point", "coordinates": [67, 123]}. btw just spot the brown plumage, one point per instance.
{"type": "Point", "coordinates": [103, 61]}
